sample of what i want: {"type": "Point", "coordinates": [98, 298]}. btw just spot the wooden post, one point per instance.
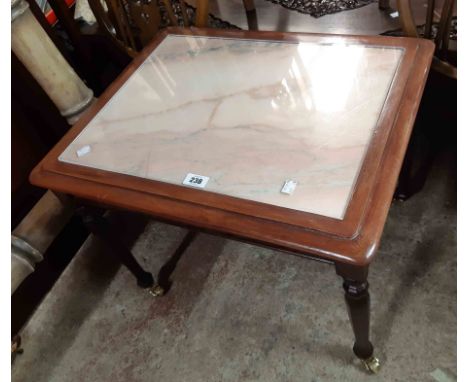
{"type": "Point", "coordinates": [201, 15]}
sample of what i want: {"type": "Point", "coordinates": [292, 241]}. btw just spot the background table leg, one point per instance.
{"type": "Point", "coordinates": [97, 224]}
{"type": "Point", "coordinates": [251, 13]}
{"type": "Point", "coordinates": [358, 303]}
{"type": "Point", "coordinates": [384, 4]}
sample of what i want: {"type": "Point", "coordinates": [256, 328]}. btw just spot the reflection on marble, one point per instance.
{"type": "Point", "coordinates": [248, 114]}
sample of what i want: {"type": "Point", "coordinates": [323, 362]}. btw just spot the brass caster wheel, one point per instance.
{"type": "Point", "coordinates": [156, 291]}
{"type": "Point", "coordinates": [371, 364]}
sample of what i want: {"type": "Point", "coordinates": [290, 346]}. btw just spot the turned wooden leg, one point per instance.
{"type": "Point", "coordinates": [164, 276]}
{"type": "Point", "coordinates": [97, 224]}
{"type": "Point", "coordinates": [358, 303]}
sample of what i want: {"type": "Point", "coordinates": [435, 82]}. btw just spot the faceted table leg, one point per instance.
{"type": "Point", "coordinates": [99, 226]}
{"type": "Point", "coordinates": [358, 303]}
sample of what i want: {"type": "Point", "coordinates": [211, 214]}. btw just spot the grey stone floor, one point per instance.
{"type": "Point", "coordinates": [238, 312]}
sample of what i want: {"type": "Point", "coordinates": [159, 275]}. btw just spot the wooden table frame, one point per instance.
{"type": "Point", "coordinates": [350, 243]}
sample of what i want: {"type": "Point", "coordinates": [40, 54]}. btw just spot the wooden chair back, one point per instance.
{"type": "Point", "coordinates": [82, 57]}
{"type": "Point", "coordinates": [441, 61]}
{"type": "Point", "coordinates": [131, 24]}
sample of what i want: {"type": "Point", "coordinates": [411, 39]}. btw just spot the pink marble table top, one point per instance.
{"type": "Point", "coordinates": [249, 115]}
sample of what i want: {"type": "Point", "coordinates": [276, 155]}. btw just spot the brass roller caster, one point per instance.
{"type": "Point", "coordinates": [372, 364]}
{"type": "Point", "coordinates": [156, 291]}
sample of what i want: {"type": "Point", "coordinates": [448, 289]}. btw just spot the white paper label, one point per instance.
{"type": "Point", "coordinates": [289, 187]}
{"type": "Point", "coordinates": [83, 151]}
{"type": "Point", "coordinates": [195, 180]}
{"type": "Point", "coordinates": [394, 14]}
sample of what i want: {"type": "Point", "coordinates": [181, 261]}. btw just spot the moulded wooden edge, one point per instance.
{"type": "Point", "coordinates": [358, 250]}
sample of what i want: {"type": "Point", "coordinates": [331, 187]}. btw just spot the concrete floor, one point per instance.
{"type": "Point", "coordinates": [238, 312]}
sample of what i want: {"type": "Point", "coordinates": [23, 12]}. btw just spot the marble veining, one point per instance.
{"type": "Point", "coordinates": [249, 114]}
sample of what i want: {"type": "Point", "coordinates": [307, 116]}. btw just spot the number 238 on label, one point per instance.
{"type": "Point", "coordinates": [195, 180]}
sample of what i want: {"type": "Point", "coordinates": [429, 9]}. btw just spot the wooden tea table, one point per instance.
{"type": "Point", "coordinates": [294, 141]}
